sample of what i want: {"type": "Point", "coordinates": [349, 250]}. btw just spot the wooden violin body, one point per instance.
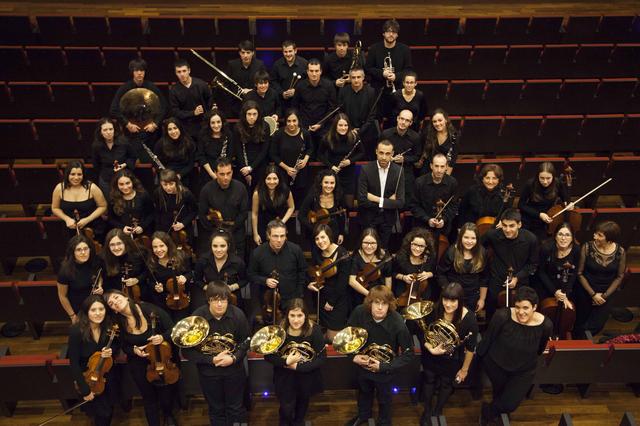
{"type": "Point", "coordinates": [161, 368]}
{"type": "Point", "coordinates": [133, 291]}
{"type": "Point", "coordinates": [177, 298]}
{"type": "Point", "coordinates": [563, 318]}
{"type": "Point", "coordinates": [327, 269]}
{"type": "Point", "coordinates": [271, 303]}
{"type": "Point", "coordinates": [181, 238]}
{"type": "Point", "coordinates": [413, 292]}
{"type": "Point", "coordinates": [322, 215]}
{"type": "Point", "coordinates": [485, 223]}
{"type": "Point", "coordinates": [216, 218]}
{"type": "Point", "coordinates": [98, 367]}
{"type": "Point", "coordinates": [371, 272]}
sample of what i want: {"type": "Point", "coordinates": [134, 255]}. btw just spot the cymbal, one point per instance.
{"type": "Point", "coordinates": [140, 106]}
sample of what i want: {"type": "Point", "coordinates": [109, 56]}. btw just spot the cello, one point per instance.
{"type": "Point", "coordinates": [132, 291]}
{"type": "Point", "coordinates": [177, 299]}
{"type": "Point", "coordinates": [563, 317]}
{"type": "Point", "coordinates": [416, 289]}
{"type": "Point", "coordinates": [271, 302]}
{"type": "Point", "coordinates": [98, 367]}
{"type": "Point", "coordinates": [508, 294]}
{"type": "Point", "coordinates": [558, 212]}
{"type": "Point", "coordinates": [161, 370]}
{"type": "Point", "coordinates": [485, 223]}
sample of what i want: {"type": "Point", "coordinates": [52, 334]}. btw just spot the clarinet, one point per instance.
{"type": "Point", "coordinates": [247, 178]}
{"type": "Point", "coordinates": [300, 157]}
{"type": "Point", "coordinates": [153, 157]}
{"type": "Point", "coordinates": [223, 153]}
{"type": "Point", "coordinates": [450, 151]}
{"type": "Point", "coordinates": [346, 157]}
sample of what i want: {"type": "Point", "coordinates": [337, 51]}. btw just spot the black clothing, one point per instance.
{"type": "Point", "coordinates": [282, 73]}
{"type": "Point", "coordinates": [184, 100]}
{"type": "Point", "coordinates": [426, 195]}
{"type": "Point", "coordinates": [242, 75]}
{"type": "Point", "coordinates": [233, 271]}
{"type": "Point", "coordinates": [232, 202]}
{"type": "Point", "coordinates": [269, 104]}
{"type": "Point", "coordinates": [332, 156]}
{"type": "Point", "coordinates": [139, 208]}
{"type": "Point", "coordinates": [85, 208]}
{"type": "Point", "coordinates": [269, 211]}
{"type": "Point", "coordinates": [210, 149]}
{"type": "Point", "coordinates": [449, 148]}
{"type": "Point", "coordinates": [402, 265]}
{"type": "Point", "coordinates": [359, 107]}
{"type": "Point", "coordinates": [400, 59]}
{"type": "Point", "coordinates": [417, 105]}
{"type": "Point", "coordinates": [531, 208]}
{"type": "Point", "coordinates": [470, 281]}
{"type": "Point", "coordinates": [79, 286]}
{"type": "Point", "coordinates": [411, 146]}
{"type": "Point", "coordinates": [335, 67]}
{"type": "Point", "coordinates": [290, 264]}
{"type": "Point", "coordinates": [357, 265]}
{"type": "Point", "coordinates": [163, 274]}
{"type": "Point", "coordinates": [335, 291]}
{"type": "Point", "coordinates": [103, 159]}
{"type": "Point", "coordinates": [173, 160]}
{"type": "Point", "coordinates": [252, 153]}
{"type": "Point", "coordinates": [479, 202]}
{"type": "Point", "coordinates": [137, 270]}
{"type": "Point", "coordinates": [116, 112]}
{"type": "Point", "coordinates": [289, 149]}
{"type": "Point", "coordinates": [314, 102]}
{"type": "Point", "coordinates": [312, 203]}
{"type": "Point", "coordinates": [550, 270]}
{"type": "Point", "coordinates": [166, 209]}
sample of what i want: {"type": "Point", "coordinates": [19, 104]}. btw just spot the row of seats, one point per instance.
{"type": "Point", "coordinates": [198, 31]}
{"type": "Point", "coordinates": [481, 135]}
{"type": "Point", "coordinates": [40, 99]}
{"type": "Point", "coordinates": [433, 62]}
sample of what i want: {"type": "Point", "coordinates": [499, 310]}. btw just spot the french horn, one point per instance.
{"type": "Point", "coordinates": [382, 353]}
{"type": "Point", "coordinates": [418, 312]}
{"type": "Point", "coordinates": [268, 340]}
{"type": "Point", "coordinates": [218, 343]}
{"type": "Point", "coordinates": [190, 332]}
{"type": "Point", "coordinates": [350, 340]}
{"type": "Point", "coordinates": [443, 332]}
{"type": "Point", "coordinates": [307, 353]}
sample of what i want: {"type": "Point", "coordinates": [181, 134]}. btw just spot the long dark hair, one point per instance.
{"type": "Point", "coordinates": [431, 135]}
{"type": "Point", "coordinates": [111, 262]}
{"type": "Point", "coordinates": [452, 291]}
{"type": "Point", "coordinates": [255, 134]}
{"type": "Point", "coordinates": [281, 193]}
{"type": "Point", "coordinates": [69, 265]}
{"type": "Point", "coordinates": [98, 139]}
{"type": "Point", "coordinates": [133, 307]}
{"type": "Point", "coordinates": [540, 193]}
{"type": "Point", "coordinates": [170, 149]}
{"type": "Point", "coordinates": [332, 135]}
{"type": "Point", "coordinates": [83, 317]}
{"type": "Point", "coordinates": [478, 258]}
{"type": "Point", "coordinates": [176, 257]}
{"type": "Point", "coordinates": [317, 185]}
{"type": "Point", "coordinates": [168, 175]}
{"type": "Point", "coordinates": [405, 248]}
{"type": "Point", "coordinates": [116, 196]}
{"type": "Point", "coordinates": [75, 164]}
{"type": "Point", "coordinates": [293, 304]}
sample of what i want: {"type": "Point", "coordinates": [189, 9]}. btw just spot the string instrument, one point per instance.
{"type": "Point", "coordinates": [98, 367]}
{"type": "Point", "coordinates": [322, 215]}
{"type": "Point", "coordinates": [132, 292]}
{"type": "Point", "coordinates": [88, 232]}
{"type": "Point", "coordinates": [327, 269]}
{"type": "Point", "coordinates": [97, 279]}
{"type": "Point", "coordinates": [215, 217]}
{"type": "Point", "coordinates": [505, 297]}
{"type": "Point", "coordinates": [116, 166]}
{"type": "Point", "coordinates": [563, 318]}
{"type": "Point", "coordinates": [413, 293]}
{"type": "Point", "coordinates": [181, 238]}
{"type": "Point", "coordinates": [161, 370]}
{"type": "Point", "coordinates": [443, 241]}
{"type": "Point", "coordinates": [141, 238]}
{"type": "Point", "coordinates": [271, 302]}
{"type": "Point", "coordinates": [485, 223]}
{"type": "Point", "coordinates": [177, 298]}
{"type": "Point", "coordinates": [233, 299]}
{"type": "Point", "coordinates": [371, 272]}
{"type": "Point", "coordinates": [557, 212]}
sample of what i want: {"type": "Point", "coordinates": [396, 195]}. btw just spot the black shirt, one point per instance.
{"type": "Point", "coordinates": [290, 264]}
{"type": "Point", "coordinates": [167, 208]}
{"type": "Point", "coordinates": [427, 193]}
{"type": "Point", "coordinates": [314, 102]}
{"type": "Point", "coordinates": [251, 153]}
{"type": "Point", "coordinates": [417, 105]}
{"type": "Point", "coordinates": [470, 281]}
{"type": "Point", "coordinates": [335, 67]}
{"type": "Point", "coordinates": [401, 143]}
{"type": "Point", "coordinates": [479, 202]}
{"type": "Point", "coordinates": [242, 75]}
{"type": "Point", "coordinates": [531, 208]}
{"type": "Point", "coordinates": [336, 221]}
{"type": "Point", "coordinates": [182, 164]}
{"type": "Point", "coordinates": [402, 265]}
{"type": "Point", "coordinates": [520, 253]}
{"type": "Point", "coordinates": [103, 158]}
{"type": "Point", "coordinates": [269, 103]}
{"type": "Point", "coordinates": [400, 59]}
{"type": "Point", "coordinates": [140, 208]}
{"type": "Point", "coordinates": [210, 149]}
{"type": "Point", "coordinates": [79, 286]}
{"type": "Point", "coordinates": [282, 73]}
{"type": "Point", "coordinates": [164, 325]}
{"type": "Point", "coordinates": [288, 149]}
{"type": "Point", "coordinates": [233, 271]}
{"type": "Point", "coordinates": [332, 156]}
{"type": "Point", "coordinates": [114, 109]}
{"type": "Point", "coordinates": [359, 106]}
{"type": "Point", "coordinates": [184, 100]}
{"type": "Point", "coordinates": [336, 287]}
{"type": "Point", "coordinates": [232, 202]}
{"type": "Point", "coordinates": [551, 272]}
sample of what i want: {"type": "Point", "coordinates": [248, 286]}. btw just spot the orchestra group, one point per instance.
{"type": "Point", "coordinates": [202, 266]}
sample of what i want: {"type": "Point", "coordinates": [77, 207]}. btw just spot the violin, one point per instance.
{"type": "Point", "coordinates": [215, 217]}
{"type": "Point", "coordinates": [161, 369]}
{"type": "Point", "coordinates": [322, 215]}
{"type": "Point", "coordinates": [116, 166]}
{"type": "Point", "coordinates": [557, 212]}
{"type": "Point", "coordinates": [371, 272]}
{"type": "Point", "coordinates": [443, 241]}
{"type": "Point", "coordinates": [271, 302]}
{"type": "Point", "coordinates": [98, 367]}
{"type": "Point", "coordinates": [414, 292]}
{"type": "Point", "coordinates": [143, 239]}
{"type": "Point", "coordinates": [88, 232]}
{"type": "Point", "coordinates": [485, 223]}
{"type": "Point", "coordinates": [181, 238]}
{"type": "Point", "coordinates": [233, 299]}
{"type": "Point", "coordinates": [563, 318]}
{"type": "Point", "coordinates": [505, 298]}
{"type": "Point", "coordinates": [132, 292]}
{"type": "Point", "coordinates": [327, 269]}
{"type": "Point", "coordinates": [177, 299]}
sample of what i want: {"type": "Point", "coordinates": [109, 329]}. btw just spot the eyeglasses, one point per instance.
{"type": "Point", "coordinates": [418, 245]}
{"type": "Point", "coordinates": [369, 243]}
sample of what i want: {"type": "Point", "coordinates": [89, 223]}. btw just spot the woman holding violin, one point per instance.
{"type": "Point", "coordinates": [483, 202]}
{"type": "Point", "coordinates": [600, 272]}
{"type": "Point", "coordinates": [339, 150]}
{"type": "Point", "coordinates": [92, 345]}
{"type": "Point", "coordinates": [131, 208]}
{"type": "Point", "coordinates": [141, 343]}
{"type": "Point", "coordinates": [331, 280]}
{"type": "Point", "coordinates": [296, 375]}
{"type": "Point", "coordinates": [439, 136]}
{"type": "Point", "coordinates": [250, 147]}
{"type": "Point", "coordinates": [272, 199]}
{"type": "Point", "coordinates": [123, 265]}
{"type": "Point", "coordinates": [413, 267]}
{"type": "Point", "coordinates": [172, 270]}
{"type": "Point", "coordinates": [538, 196]}
{"type": "Point", "coordinates": [77, 194]}
{"type": "Point", "coordinates": [371, 266]}
{"type": "Point", "coordinates": [214, 141]}
{"type": "Point", "coordinates": [110, 152]}
{"type": "Point", "coordinates": [219, 264]}
{"type": "Point", "coordinates": [176, 208]}
{"type": "Point", "coordinates": [176, 150]}
{"type": "Point", "coordinates": [79, 275]}
{"type": "Point", "coordinates": [466, 263]}
{"type": "Point", "coordinates": [324, 204]}
{"type": "Point", "coordinates": [444, 366]}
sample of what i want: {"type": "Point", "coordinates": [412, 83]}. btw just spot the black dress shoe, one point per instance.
{"type": "Point", "coordinates": [356, 421]}
{"type": "Point", "coordinates": [484, 415]}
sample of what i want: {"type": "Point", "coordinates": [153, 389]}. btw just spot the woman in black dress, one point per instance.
{"type": "Point", "coordinates": [414, 263]}
{"type": "Point", "coordinates": [169, 262]}
{"type": "Point", "coordinates": [509, 352]}
{"type": "Point", "coordinates": [369, 251]}
{"type": "Point", "coordinates": [89, 335]}
{"type": "Point", "coordinates": [272, 199]}
{"type": "Point", "coordinates": [134, 320]}
{"type": "Point", "coordinates": [291, 148]}
{"type": "Point", "coordinates": [175, 206]}
{"type": "Point", "coordinates": [441, 369]}
{"type": "Point", "coordinates": [214, 141]}
{"type": "Point", "coordinates": [333, 298]}
{"type": "Point", "coordinates": [110, 146]}
{"type": "Point", "coordinates": [78, 274]}
{"type": "Point", "coordinates": [326, 194]}
{"type": "Point", "coordinates": [250, 147]}
{"type": "Point", "coordinates": [176, 150]}
{"type": "Point", "coordinates": [539, 195]}
{"type": "Point", "coordinates": [600, 271]}
{"type": "Point", "coordinates": [131, 208]}
{"type": "Point", "coordinates": [484, 199]}
{"type": "Point", "coordinates": [409, 98]}
{"type": "Point", "coordinates": [466, 263]}
{"type": "Point", "coordinates": [123, 264]}
{"type": "Point", "coordinates": [296, 378]}
{"type": "Point", "coordinates": [439, 137]}
{"type": "Point", "coordinates": [339, 150]}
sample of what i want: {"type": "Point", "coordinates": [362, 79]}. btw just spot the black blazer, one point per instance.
{"type": "Point", "coordinates": [369, 181]}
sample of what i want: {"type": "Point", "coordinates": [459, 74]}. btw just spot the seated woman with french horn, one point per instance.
{"type": "Point", "coordinates": [297, 362]}
{"type": "Point", "coordinates": [386, 337]}
{"type": "Point", "coordinates": [450, 342]}
{"type": "Point", "coordinates": [216, 338]}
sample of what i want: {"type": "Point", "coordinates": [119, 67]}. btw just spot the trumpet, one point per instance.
{"type": "Point", "coordinates": [388, 66]}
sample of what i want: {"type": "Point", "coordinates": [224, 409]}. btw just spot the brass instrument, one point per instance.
{"type": "Point", "coordinates": [140, 106]}
{"type": "Point", "coordinates": [268, 340]}
{"type": "Point", "coordinates": [217, 82]}
{"type": "Point", "coordinates": [273, 124]}
{"type": "Point", "coordinates": [418, 312]}
{"type": "Point", "coordinates": [350, 340]}
{"type": "Point", "coordinates": [305, 350]}
{"type": "Point", "coordinates": [388, 66]}
{"type": "Point", "coordinates": [218, 343]}
{"type": "Point", "coordinates": [237, 89]}
{"type": "Point", "coordinates": [190, 332]}
{"type": "Point", "coordinates": [381, 353]}
{"type": "Point", "coordinates": [442, 332]}
{"type": "Point", "coordinates": [355, 61]}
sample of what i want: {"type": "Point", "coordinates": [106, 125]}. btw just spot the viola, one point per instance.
{"type": "Point", "coordinates": [443, 241]}
{"type": "Point", "coordinates": [557, 212]}
{"type": "Point", "coordinates": [322, 215]}
{"type": "Point", "coordinates": [181, 238]}
{"type": "Point", "coordinates": [233, 299]}
{"type": "Point", "coordinates": [271, 302]}
{"type": "Point", "coordinates": [413, 293]}
{"type": "Point", "coordinates": [141, 238]}
{"type": "Point", "coordinates": [563, 318]}
{"type": "Point", "coordinates": [177, 299]}
{"type": "Point", "coordinates": [98, 367]}
{"type": "Point", "coordinates": [327, 269]}
{"type": "Point", "coordinates": [215, 217]}
{"type": "Point", "coordinates": [506, 299]}
{"type": "Point", "coordinates": [485, 223]}
{"type": "Point", "coordinates": [371, 272]}
{"type": "Point", "coordinates": [161, 369]}
{"type": "Point", "coordinates": [132, 292]}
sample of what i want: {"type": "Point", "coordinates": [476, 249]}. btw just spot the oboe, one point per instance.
{"type": "Point", "coordinates": [153, 157]}
{"type": "Point", "coordinates": [247, 178]}
{"type": "Point", "coordinates": [346, 157]}
{"type": "Point", "coordinates": [299, 159]}
{"type": "Point", "coordinates": [223, 152]}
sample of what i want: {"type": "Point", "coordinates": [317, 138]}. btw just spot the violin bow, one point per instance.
{"type": "Point", "coordinates": [175, 218]}
{"type": "Point", "coordinates": [583, 197]}
{"type": "Point", "coordinates": [64, 412]}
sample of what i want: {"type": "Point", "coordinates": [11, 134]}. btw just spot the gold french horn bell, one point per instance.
{"type": "Point", "coordinates": [418, 312]}
{"type": "Point", "coordinates": [268, 339]}
{"type": "Point", "coordinates": [140, 106]}
{"type": "Point", "coordinates": [350, 340]}
{"type": "Point", "coordinates": [190, 331]}
{"type": "Point", "coordinates": [307, 353]}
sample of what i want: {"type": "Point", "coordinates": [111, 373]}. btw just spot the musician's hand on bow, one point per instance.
{"type": "Point", "coordinates": [156, 339]}
{"type": "Point", "coordinates": [140, 351]}
{"type": "Point", "coordinates": [343, 164]}
{"type": "Point", "coordinates": [545, 217]}
{"type": "Point", "coordinates": [271, 282]}
{"type": "Point", "coordinates": [567, 303]}
{"type": "Point", "coordinates": [398, 158]}
{"type": "Point", "coordinates": [199, 110]}
{"type": "Point", "coordinates": [98, 290]}
{"type": "Point", "coordinates": [355, 131]}
{"type": "Point", "coordinates": [138, 230]}
{"type": "Point", "coordinates": [89, 397]}
{"type": "Point", "coordinates": [336, 169]}
{"type": "Point", "coordinates": [570, 206]}
{"type": "Point", "coordinates": [130, 282]}
{"type": "Point", "coordinates": [178, 226]}
{"type": "Point", "coordinates": [512, 283]}
{"type": "Point", "coordinates": [560, 296]}
{"type": "Point", "coordinates": [71, 223]}
{"type": "Point", "coordinates": [424, 275]}
{"type": "Point", "coordinates": [246, 170]}
{"type": "Point", "coordinates": [133, 128]}
{"type": "Point", "coordinates": [158, 287]}
{"type": "Point", "coordinates": [408, 278]}
{"type": "Point", "coordinates": [314, 127]}
{"type": "Point", "coordinates": [150, 128]}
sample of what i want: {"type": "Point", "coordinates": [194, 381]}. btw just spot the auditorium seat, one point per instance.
{"type": "Point", "coordinates": [27, 238]}
{"type": "Point", "coordinates": [272, 32]}
{"type": "Point", "coordinates": [116, 62]}
{"type": "Point", "coordinates": [479, 31]}
{"type": "Point", "coordinates": [102, 94]}
{"type": "Point", "coordinates": [581, 29]}
{"type": "Point", "coordinates": [588, 172]}
{"type": "Point", "coordinates": [435, 91]}
{"type": "Point", "coordinates": [512, 30]}
{"type": "Point", "coordinates": [161, 60]}
{"type": "Point", "coordinates": [35, 183]}
{"type": "Point", "coordinates": [126, 31]}
{"type": "Point", "coordinates": [371, 31]}
{"type": "Point", "coordinates": [465, 172]}
{"type": "Point", "coordinates": [465, 97]}
{"type": "Point", "coordinates": [624, 60]}
{"type": "Point", "coordinates": [629, 134]}
{"type": "Point", "coordinates": [488, 61]}
{"type": "Point", "coordinates": [545, 29]}
{"type": "Point", "coordinates": [442, 30]}
{"type": "Point", "coordinates": [503, 97]}
{"type": "Point", "coordinates": [423, 61]}
{"type": "Point", "coordinates": [617, 95]}
{"type": "Point", "coordinates": [198, 31]}
{"type": "Point", "coordinates": [557, 60]}
{"type": "Point", "coordinates": [452, 62]}
{"type": "Point", "coordinates": [46, 63]}
{"type": "Point", "coordinates": [522, 61]}
{"type": "Point", "coordinates": [592, 60]}
{"type": "Point", "coordinates": [16, 30]}
{"type": "Point", "coordinates": [540, 96]}
{"type": "Point", "coordinates": [560, 133]}
{"type": "Point", "coordinates": [57, 138]}
{"type": "Point", "coordinates": [29, 99]}
{"type": "Point", "coordinates": [617, 29]}
{"type": "Point", "coordinates": [599, 133]}
{"type": "Point", "coordinates": [72, 99]}
{"type": "Point", "coordinates": [481, 133]}
{"type": "Point", "coordinates": [17, 140]}
{"type": "Point", "coordinates": [55, 30]}
{"type": "Point", "coordinates": [575, 96]}
{"type": "Point", "coordinates": [623, 169]}
{"type": "Point", "coordinates": [519, 135]}
{"type": "Point", "coordinates": [92, 30]}
{"type": "Point", "coordinates": [84, 64]}
{"type": "Point", "coordinates": [165, 31]}
{"type": "Point", "coordinates": [229, 33]}
{"type": "Point", "coordinates": [15, 63]}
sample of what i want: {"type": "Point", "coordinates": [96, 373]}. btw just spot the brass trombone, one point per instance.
{"type": "Point", "coordinates": [236, 88]}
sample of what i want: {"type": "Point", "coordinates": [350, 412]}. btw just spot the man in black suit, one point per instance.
{"type": "Point", "coordinates": [381, 192]}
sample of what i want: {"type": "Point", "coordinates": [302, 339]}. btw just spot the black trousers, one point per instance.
{"type": "Point", "coordinates": [293, 409]}
{"type": "Point", "coordinates": [366, 392]}
{"type": "Point", "coordinates": [444, 385]}
{"type": "Point", "coordinates": [225, 396]}
{"type": "Point", "coordinates": [155, 399]}
{"type": "Point", "coordinates": [509, 388]}
{"type": "Point", "coordinates": [381, 220]}
{"type": "Point", "coordinates": [588, 316]}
